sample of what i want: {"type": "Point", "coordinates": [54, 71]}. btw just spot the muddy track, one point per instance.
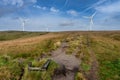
{"type": "Point", "coordinates": [69, 61]}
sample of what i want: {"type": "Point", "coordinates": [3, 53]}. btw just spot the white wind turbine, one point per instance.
{"type": "Point", "coordinates": [23, 20]}
{"type": "Point", "coordinates": [91, 20]}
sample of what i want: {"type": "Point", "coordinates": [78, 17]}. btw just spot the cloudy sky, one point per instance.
{"type": "Point", "coordinates": [59, 15]}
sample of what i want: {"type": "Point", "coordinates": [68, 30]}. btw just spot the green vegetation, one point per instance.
{"type": "Point", "coordinates": [79, 76]}
{"type": "Point", "coordinates": [74, 43]}
{"type": "Point", "coordinates": [10, 35]}
{"type": "Point", "coordinates": [13, 69]}
{"type": "Point", "coordinates": [9, 70]}
{"type": "Point", "coordinates": [105, 45]}
{"type": "Point", "coordinates": [16, 58]}
{"type": "Point", "coordinates": [85, 67]}
{"type": "Point", "coordinates": [31, 50]}
{"type": "Point", "coordinates": [37, 75]}
{"type": "Point", "coordinates": [108, 55]}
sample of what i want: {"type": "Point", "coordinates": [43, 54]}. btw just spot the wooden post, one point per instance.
{"type": "Point", "coordinates": [45, 66]}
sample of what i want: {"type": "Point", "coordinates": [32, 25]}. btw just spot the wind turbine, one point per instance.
{"type": "Point", "coordinates": [23, 20]}
{"type": "Point", "coordinates": [91, 20]}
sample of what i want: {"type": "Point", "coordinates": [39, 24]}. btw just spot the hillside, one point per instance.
{"type": "Point", "coordinates": [10, 35]}
{"type": "Point", "coordinates": [74, 55]}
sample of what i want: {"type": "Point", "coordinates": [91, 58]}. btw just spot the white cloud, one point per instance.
{"type": "Point", "coordinates": [44, 8]}
{"type": "Point", "coordinates": [34, 1]}
{"type": "Point", "coordinates": [54, 10]}
{"type": "Point", "coordinates": [108, 15]}
{"type": "Point", "coordinates": [17, 3]}
{"type": "Point", "coordinates": [99, 3]}
{"type": "Point", "coordinates": [110, 8]}
{"type": "Point", "coordinates": [67, 23]}
{"type": "Point", "coordinates": [39, 7]}
{"type": "Point", "coordinates": [13, 2]}
{"type": "Point", "coordinates": [11, 6]}
{"type": "Point", "coordinates": [72, 12]}
{"type": "Point", "coordinates": [36, 6]}
{"type": "Point", "coordinates": [96, 4]}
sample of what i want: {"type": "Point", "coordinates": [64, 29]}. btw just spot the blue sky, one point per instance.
{"type": "Point", "coordinates": [59, 15]}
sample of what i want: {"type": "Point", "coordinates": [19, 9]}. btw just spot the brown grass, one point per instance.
{"type": "Point", "coordinates": [27, 41]}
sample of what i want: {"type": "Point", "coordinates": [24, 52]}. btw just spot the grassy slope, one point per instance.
{"type": "Point", "coordinates": [12, 53]}
{"type": "Point", "coordinates": [105, 45]}
{"type": "Point", "coordinates": [107, 49]}
{"type": "Point", "coordinates": [10, 35]}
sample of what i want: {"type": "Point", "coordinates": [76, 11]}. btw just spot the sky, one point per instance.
{"type": "Point", "coordinates": [59, 15]}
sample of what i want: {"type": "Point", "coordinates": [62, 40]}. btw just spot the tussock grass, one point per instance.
{"type": "Point", "coordinates": [11, 35]}
{"type": "Point", "coordinates": [43, 75]}
{"type": "Point", "coordinates": [12, 54]}
{"type": "Point", "coordinates": [79, 76]}
{"type": "Point", "coordinates": [105, 45]}
{"type": "Point", "coordinates": [108, 55]}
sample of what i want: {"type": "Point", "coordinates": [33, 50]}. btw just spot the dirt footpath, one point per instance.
{"type": "Point", "coordinates": [69, 61]}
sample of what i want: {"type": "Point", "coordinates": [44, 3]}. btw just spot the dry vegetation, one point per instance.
{"type": "Point", "coordinates": [98, 52]}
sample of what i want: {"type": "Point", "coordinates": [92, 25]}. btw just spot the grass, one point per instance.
{"type": "Point", "coordinates": [74, 43]}
{"type": "Point", "coordinates": [79, 76]}
{"type": "Point", "coordinates": [11, 35]}
{"type": "Point", "coordinates": [27, 53]}
{"type": "Point", "coordinates": [85, 67]}
{"type": "Point", "coordinates": [10, 71]}
{"type": "Point", "coordinates": [43, 75]}
{"type": "Point", "coordinates": [108, 54]}
{"type": "Point", "coordinates": [105, 45]}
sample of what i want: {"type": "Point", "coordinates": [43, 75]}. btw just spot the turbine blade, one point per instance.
{"type": "Point", "coordinates": [94, 14]}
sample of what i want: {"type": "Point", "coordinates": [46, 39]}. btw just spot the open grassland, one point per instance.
{"type": "Point", "coordinates": [11, 35]}
{"type": "Point", "coordinates": [98, 52]}
{"type": "Point", "coordinates": [107, 50]}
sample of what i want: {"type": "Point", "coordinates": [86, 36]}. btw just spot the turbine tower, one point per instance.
{"type": "Point", "coordinates": [91, 20]}
{"type": "Point", "coordinates": [23, 20]}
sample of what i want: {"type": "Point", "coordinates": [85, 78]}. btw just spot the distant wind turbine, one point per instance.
{"type": "Point", "coordinates": [23, 20]}
{"type": "Point", "coordinates": [91, 20]}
